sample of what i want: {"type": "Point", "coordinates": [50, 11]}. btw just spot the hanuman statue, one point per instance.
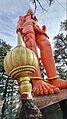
{"type": "Point", "coordinates": [34, 36]}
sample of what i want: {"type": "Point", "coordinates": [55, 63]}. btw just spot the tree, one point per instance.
{"type": "Point", "coordinates": [34, 2]}
{"type": "Point", "coordinates": [60, 51]}
{"type": "Point", "coordinates": [8, 87]}
{"type": "Point", "coordinates": [4, 48]}
{"type": "Point", "coordinates": [63, 26]}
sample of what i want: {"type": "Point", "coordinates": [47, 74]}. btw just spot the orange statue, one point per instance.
{"type": "Point", "coordinates": [34, 36]}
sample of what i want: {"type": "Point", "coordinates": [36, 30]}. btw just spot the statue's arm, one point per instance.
{"type": "Point", "coordinates": [20, 24]}
{"type": "Point", "coordinates": [41, 31]}
{"type": "Point", "coordinates": [37, 29]}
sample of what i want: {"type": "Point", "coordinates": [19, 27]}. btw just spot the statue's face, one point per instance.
{"type": "Point", "coordinates": [30, 12]}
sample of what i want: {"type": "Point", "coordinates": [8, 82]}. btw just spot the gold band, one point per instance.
{"type": "Point", "coordinates": [53, 77]}
{"type": "Point", "coordinates": [36, 78]}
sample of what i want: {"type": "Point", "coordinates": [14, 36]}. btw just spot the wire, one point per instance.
{"type": "Point", "coordinates": [61, 5]}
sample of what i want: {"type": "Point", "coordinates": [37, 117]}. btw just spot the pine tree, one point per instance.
{"type": "Point", "coordinates": [8, 87]}
{"type": "Point", "coordinates": [60, 50]}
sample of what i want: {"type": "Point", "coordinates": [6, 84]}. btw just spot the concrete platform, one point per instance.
{"type": "Point", "coordinates": [44, 101]}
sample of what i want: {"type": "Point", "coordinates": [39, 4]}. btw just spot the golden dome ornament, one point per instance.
{"type": "Point", "coordinates": [20, 64]}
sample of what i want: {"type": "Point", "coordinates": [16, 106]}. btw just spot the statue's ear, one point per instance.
{"type": "Point", "coordinates": [20, 16]}
{"type": "Point", "coordinates": [35, 18]}
{"type": "Point", "coordinates": [44, 28]}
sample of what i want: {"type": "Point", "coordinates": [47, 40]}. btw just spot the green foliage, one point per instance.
{"type": "Point", "coordinates": [8, 87]}
{"type": "Point", "coordinates": [4, 48]}
{"type": "Point", "coordinates": [60, 51]}
{"type": "Point", "coordinates": [63, 25]}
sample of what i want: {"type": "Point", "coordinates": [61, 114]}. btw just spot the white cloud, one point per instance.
{"type": "Point", "coordinates": [10, 10]}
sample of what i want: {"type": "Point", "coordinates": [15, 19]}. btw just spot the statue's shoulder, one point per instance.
{"type": "Point", "coordinates": [22, 18]}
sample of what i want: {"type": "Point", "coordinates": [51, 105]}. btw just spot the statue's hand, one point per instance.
{"type": "Point", "coordinates": [41, 87]}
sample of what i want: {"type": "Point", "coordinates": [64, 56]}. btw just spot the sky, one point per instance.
{"type": "Point", "coordinates": [10, 10]}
